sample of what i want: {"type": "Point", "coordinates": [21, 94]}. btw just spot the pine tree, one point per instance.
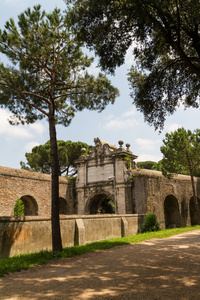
{"type": "Point", "coordinates": [48, 78]}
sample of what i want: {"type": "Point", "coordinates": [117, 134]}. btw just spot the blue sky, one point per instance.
{"type": "Point", "coordinates": [120, 121]}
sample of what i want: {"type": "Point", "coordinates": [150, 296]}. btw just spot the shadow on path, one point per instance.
{"type": "Point", "coordinates": [155, 270]}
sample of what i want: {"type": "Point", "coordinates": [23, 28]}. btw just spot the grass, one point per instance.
{"type": "Point", "coordinates": [29, 260]}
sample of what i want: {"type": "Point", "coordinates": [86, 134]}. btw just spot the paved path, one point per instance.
{"type": "Point", "coordinates": [158, 269]}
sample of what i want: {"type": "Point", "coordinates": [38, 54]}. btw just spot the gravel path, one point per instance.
{"type": "Point", "coordinates": [157, 269]}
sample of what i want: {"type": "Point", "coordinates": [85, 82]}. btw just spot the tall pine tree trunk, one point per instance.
{"type": "Point", "coordinates": [55, 221]}
{"type": "Point", "coordinates": [196, 204]}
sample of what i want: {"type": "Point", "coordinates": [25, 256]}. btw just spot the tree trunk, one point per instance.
{"type": "Point", "coordinates": [196, 204]}
{"type": "Point", "coordinates": [55, 221]}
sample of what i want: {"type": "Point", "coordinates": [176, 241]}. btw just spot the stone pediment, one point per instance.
{"type": "Point", "coordinates": [102, 149]}
{"type": "Point", "coordinates": [105, 149]}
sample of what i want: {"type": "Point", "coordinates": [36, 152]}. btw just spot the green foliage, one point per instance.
{"type": "Point", "coordinates": [145, 165]}
{"type": "Point", "coordinates": [157, 166]}
{"type": "Point", "coordinates": [19, 208]}
{"type": "Point", "coordinates": [181, 154]}
{"type": "Point", "coordinates": [107, 206]}
{"type": "Point", "coordinates": [48, 78]}
{"type": "Point", "coordinates": [29, 260]}
{"type": "Point", "coordinates": [128, 160]}
{"type": "Point", "coordinates": [165, 36]}
{"type": "Point", "coordinates": [39, 159]}
{"type": "Point", "coordinates": [150, 223]}
{"type": "Point", "coordinates": [180, 151]}
{"type": "Point", "coordinates": [49, 67]}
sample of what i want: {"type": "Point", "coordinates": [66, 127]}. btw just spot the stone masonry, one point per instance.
{"type": "Point", "coordinates": [103, 173]}
{"type": "Point", "coordinates": [107, 172]}
{"type": "Point", "coordinates": [34, 189]}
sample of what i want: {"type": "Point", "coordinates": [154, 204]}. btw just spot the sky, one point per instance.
{"type": "Point", "coordinates": [120, 121]}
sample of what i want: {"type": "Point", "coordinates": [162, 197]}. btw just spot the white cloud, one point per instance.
{"type": "Point", "coordinates": [129, 113]}
{"type": "Point", "coordinates": [117, 124]}
{"type": "Point", "coordinates": [4, 115]}
{"type": "Point", "coordinates": [181, 106]}
{"type": "Point", "coordinates": [94, 69]}
{"type": "Point", "coordinates": [15, 131]}
{"type": "Point", "coordinates": [129, 59]}
{"type": "Point", "coordinates": [149, 157]}
{"type": "Point", "coordinates": [9, 1]}
{"type": "Point", "coordinates": [37, 128]}
{"type": "Point", "coordinates": [11, 130]}
{"type": "Point", "coordinates": [29, 146]}
{"type": "Point", "coordinates": [173, 127]}
{"type": "Point", "coordinates": [110, 117]}
{"type": "Point", "coordinates": [126, 121]}
{"type": "Point", "coordinates": [147, 144]}
{"type": "Point", "coordinates": [18, 131]}
{"type": "Point", "coordinates": [13, 1]}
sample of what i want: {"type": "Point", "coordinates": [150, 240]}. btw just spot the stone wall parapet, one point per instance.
{"type": "Point", "coordinates": [32, 234]}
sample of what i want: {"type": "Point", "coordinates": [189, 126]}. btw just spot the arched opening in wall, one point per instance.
{"type": "Point", "coordinates": [63, 207]}
{"type": "Point", "coordinates": [172, 214]}
{"type": "Point", "coordinates": [193, 213]}
{"type": "Point", "coordinates": [102, 204]}
{"type": "Point", "coordinates": [30, 206]}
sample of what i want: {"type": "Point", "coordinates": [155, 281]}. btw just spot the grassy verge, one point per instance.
{"type": "Point", "coordinates": [29, 260]}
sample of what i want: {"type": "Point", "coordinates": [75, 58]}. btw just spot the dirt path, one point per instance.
{"type": "Point", "coordinates": [155, 270]}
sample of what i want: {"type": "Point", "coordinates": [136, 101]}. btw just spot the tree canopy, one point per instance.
{"type": "Point", "coordinates": [157, 166]}
{"type": "Point", "coordinates": [48, 66]}
{"type": "Point", "coordinates": [165, 36]}
{"type": "Point", "coordinates": [181, 152]}
{"type": "Point", "coordinates": [48, 78]}
{"type": "Point", "coordinates": [145, 164]}
{"type": "Point", "coordinates": [181, 155]}
{"type": "Point", "coordinates": [39, 159]}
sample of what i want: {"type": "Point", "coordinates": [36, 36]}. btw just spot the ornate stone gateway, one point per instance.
{"type": "Point", "coordinates": [110, 172]}
{"type": "Point", "coordinates": [104, 174]}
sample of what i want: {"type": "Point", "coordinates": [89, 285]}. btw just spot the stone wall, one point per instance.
{"type": "Point", "coordinates": [133, 191]}
{"type": "Point", "coordinates": [34, 187]}
{"type": "Point", "coordinates": [152, 191]}
{"type": "Point", "coordinates": [32, 234]}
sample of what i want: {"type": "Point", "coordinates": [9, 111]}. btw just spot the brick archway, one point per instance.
{"type": "Point", "coordinates": [63, 206]}
{"type": "Point", "coordinates": [30, 205]}
{"type": "Point", "coordinates": [171, 211]}
{"type": "Point", "coordinates": [95, 200]}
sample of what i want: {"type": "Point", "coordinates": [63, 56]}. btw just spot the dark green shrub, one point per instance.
{"type": "Point", "coordinates": [19, 208]}
{"type": "Point", "coordinates": [150, 223]}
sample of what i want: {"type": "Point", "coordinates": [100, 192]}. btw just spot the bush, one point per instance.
{"type": "Point", "coordinates": [19, 208]}
{"type": "Point", "coordinates": [150, 223]}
